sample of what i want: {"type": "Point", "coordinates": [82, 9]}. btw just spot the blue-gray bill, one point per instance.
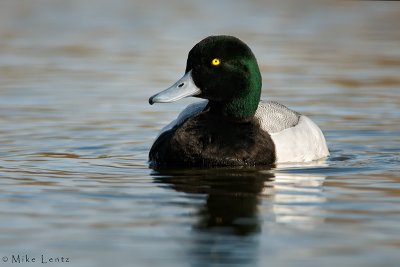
{"type": "Point", "coordinates": [184, 87]}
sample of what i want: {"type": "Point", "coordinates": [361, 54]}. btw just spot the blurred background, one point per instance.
{"type": "Point", "coordinates": [76, 127]}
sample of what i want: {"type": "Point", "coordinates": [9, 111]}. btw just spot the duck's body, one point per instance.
{"type": "Point", "coordinates": [231, 128]}
{"type": "Point", "coordinates": [275, 135]}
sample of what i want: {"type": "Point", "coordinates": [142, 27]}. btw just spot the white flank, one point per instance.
{"type": "Point", "coordinates": [301, 143]}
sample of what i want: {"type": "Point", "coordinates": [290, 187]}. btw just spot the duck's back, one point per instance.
{"type": "Point", "coordinates": [275, 117]}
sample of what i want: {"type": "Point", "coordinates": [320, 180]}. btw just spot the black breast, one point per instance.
{"type": "Point", "coordinates": [208, 141]}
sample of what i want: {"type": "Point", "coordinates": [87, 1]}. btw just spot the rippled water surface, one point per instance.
{"type": "Point", "coordinates": [76, 127]}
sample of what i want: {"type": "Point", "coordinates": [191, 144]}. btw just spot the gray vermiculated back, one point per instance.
{"type": "Point", "coordinates": [275, 117]}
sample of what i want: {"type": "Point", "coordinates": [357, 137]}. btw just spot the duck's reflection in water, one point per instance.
{"type": "Point", "coordinates": [227, 225]}
{"type": "Point", "coordinates": [297, 199]}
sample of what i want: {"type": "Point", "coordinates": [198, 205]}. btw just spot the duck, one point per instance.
{"type": "Point", "coordinates": [230, 126]}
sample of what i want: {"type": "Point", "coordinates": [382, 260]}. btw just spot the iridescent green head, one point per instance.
{"type": "Point", "coordinates": [223, 70]}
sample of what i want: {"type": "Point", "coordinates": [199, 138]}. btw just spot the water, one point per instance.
{"type": "Point", "coordinates": [75, 130]}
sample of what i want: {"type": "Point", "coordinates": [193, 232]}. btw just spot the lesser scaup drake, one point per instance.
{"type": "Point", "coordinates": [231, 127]}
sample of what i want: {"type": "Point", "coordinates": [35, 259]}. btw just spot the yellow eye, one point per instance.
{"type": "Point", "coordinates": [216, 62]}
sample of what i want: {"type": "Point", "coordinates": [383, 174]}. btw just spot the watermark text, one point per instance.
{"type": "Point", "coordinates": [26, 259]}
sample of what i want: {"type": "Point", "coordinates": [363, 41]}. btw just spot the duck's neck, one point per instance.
{"type": "Point", "coordinates": [237, 109]}
{"type": "Point", "coordinates": [243, 106]}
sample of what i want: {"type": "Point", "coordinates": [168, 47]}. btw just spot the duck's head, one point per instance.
{"type": "Point", "coordinates": [223, 70]}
